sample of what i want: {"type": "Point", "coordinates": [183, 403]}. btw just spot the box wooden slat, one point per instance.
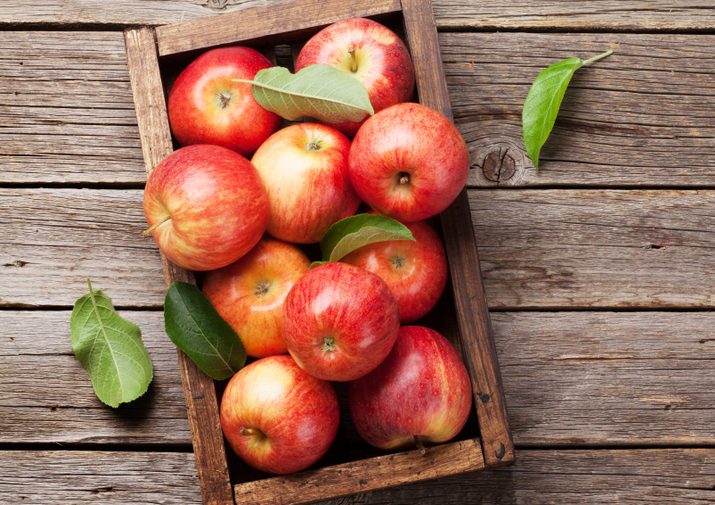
{"type": "Point", "coordinates": [291, 23]}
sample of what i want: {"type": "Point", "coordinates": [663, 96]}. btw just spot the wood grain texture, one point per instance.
{"type": "Point", "coordinates": [681, 476]}
{"type": "Point", "coordinates": [570, 378]}
{"type": "Point", "coordinates": [636, 118]}
{"type": "Point", "coordinates": [451, 14]}
{"type": "Point", "coordinates": [674, 476]}
{"type": "Point", "coordinates": [98, 477]}
{"type": "Point", "coordinates": [556, 248]}
{"type": "Point", "coordinates": [470, 299]}
{"type": "Point", "coordinates": [199, 389]}
{"type": "Point", "coordinates": [247, 24]}
{"type": "Point", "coordinates": [364, 475]}
{"type": "Point", "coordinates": [47, 396]}
{"type": "Point", "coordinates": [67, 109]}
{"type": "Point", "coordinates": [54, 239]}
{"type": "Point", "coordinates": [596, 248]}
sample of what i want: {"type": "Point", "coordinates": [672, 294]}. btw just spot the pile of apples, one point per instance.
{"type": "Point", "coordinates": [211, 209]}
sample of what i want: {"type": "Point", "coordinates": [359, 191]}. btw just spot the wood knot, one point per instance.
{"type": "Point", "coordinates": [485, 397]}
{"type": "Point", "coordinates": [500, 453]}
{"type": "Point", "coordinates": [499, 166]}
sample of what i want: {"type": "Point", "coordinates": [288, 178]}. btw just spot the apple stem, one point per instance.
{"type": "Point", "coordinates": [248, 432]}
{"type": "Point", "coordinates": [420, 445]}
{"type": "Point", "coordinates": [153, 227]}
{"type": "Point", "coordinates": [353, 60]}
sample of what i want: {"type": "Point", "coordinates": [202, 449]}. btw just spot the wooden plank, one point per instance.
{"type": "Point", "coordinates": [67, 109]}
{"type": "Point", "coordinates": [100, 477]}
{"type": "Point", "coordinates": [635, 118]}
{"type": "Point", "coordinates": [605, 378]}
{"type": "Point", "coordinates": [451, 14]}
{"type": "Point", "coordinates": [365, 475]}
{"type": "Point", "coordinates": [54, 239]}
{"type": "Point", "coordinates": [460, 244]}
{"type": "Point", "coordinates": [199, 389]}
{"type": "Point", "coordinates": [571, 378]}
{"type": "Point", "coordinates": [539, 477]}
{"type": "Point", "coordinates": [556, 248]}
{"type": "Point", "coordinates": [252, 23]}
{"type": "Point", "coordinates": [596, 248]}
{"type": "Point", "coordinates": [83, 129]}
{"type": "Point", "coordinates": [47, 397]}
{"type": "Point", "coordinates": [682, 476]}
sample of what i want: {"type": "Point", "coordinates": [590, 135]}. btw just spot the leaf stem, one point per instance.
{"type": "Point", "coordinates": [598, 57]}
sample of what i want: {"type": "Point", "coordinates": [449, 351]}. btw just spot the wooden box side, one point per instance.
{"type": "Point", "coordinates": [262, 22]}
{"type": "Point", "coordinates": [461, 246]}
{"type": "Point", "coordinates": [199, 389]}
{"type": "Point", "coordinates": [364, 475]}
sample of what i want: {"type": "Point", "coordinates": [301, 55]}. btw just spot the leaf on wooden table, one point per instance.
{"type": "Point", "coordinates": [198, 330]}
{"type": "Point", "coordinates": [318, 91]}
{"type": "Point", "coordinates": [110, 349]}
{"type": "Point", "coordinates": [354, 232]}
{"type": "Point", "coordinates": [543, 102]}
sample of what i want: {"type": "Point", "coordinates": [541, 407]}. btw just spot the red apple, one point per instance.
{"type": "Point", "coordinates": [206, 206]}
{"type": "Point", "coordinates": [339, 322]}
{"type": "Point", "coordinates": [420, 393]}
{"type": "Point", "coordinates": [368, 51]}
{"type": "Point", "coordinates": [415, 272]}
{"type": "Point", "coordinates": [207, 107]}
{"type": "Point", "coordinates": [305, 170]}
{"type": "Point", "coordinates": [276, 417]}
{"type": "Point", "coordinates": [408, 162]}
{"type": "Point", "coordinates": [249, 294]}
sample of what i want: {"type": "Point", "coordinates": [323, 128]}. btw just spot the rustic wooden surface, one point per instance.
{"type": "Point", "coordinates": [599, 271]}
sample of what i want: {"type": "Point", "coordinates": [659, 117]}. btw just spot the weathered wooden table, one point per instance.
{"type": "Point", "coordinates": [600, 271]}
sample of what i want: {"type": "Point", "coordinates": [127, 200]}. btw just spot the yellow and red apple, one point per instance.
{"type": "Point", "coordinates": [206, 206]}
{"type": "Point", "coordinates": [305, 170]}
{"type": "Point", "coordinates": [408, 162]}
{"type": "Point", "coordinates": [276, 417]}
{"type": "Point", "coordinates": [206, 106]}
{"type": "Point", "coordinates": [415, 272]}
{"type": "Point", "coordinates": [370, 52]}
{"type": "Point", "coordinates": [249, 294]}
{"type": "Point", "coordinates": [420, 394]}
{"type": "Point", "coordinates": [340, 322]}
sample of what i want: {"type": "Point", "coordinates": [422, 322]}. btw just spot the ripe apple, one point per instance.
{"type": "Point", "coordinates": [305, 170]}
{"type": "Point", "coordinates": [415, 272]}
{"type": "Point", "coordinates": [368, 51]}
{"type": "Point", "coordinates": [249, 294]}
{"type": "Point", "coordinates": [207, 107]}
{"type": "Point", "coordinates": [206, 206]}
{"type": "Point", "coordinates": [408, 162]}
{"type": "Point", "coordinates": [420, 393]}
{"type": "Point", "coordinates": [339, 322]}
{"type": "Point", "coordinates": [276, 417]}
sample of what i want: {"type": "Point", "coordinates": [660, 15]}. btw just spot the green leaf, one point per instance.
{"type": "Point", "coordinates": [196, 328]}
{"type": "Point", "coordinates": [318, 91]}
{"type": "Point", "coordinates": [543, 102]}
{"type": "Point", "coordinates": [110, 349]}
{"type": "Point", "coordinates": [354, 232]}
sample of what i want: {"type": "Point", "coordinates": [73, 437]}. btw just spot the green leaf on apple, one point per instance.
{"type": "Point", "coordinates": [318, 91]}
{"type": "Point", "coordinates": [354, 232]}
{"type": "Point", "coordinates": [110, 349]}
{"type": "Point", "coordinates": [198, 330]}
{"type": "Point", "coordinates": [543, 102]}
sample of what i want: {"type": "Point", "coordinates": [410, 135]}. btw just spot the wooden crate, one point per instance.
{"type": "Point", "coordinates": [154, 56]}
